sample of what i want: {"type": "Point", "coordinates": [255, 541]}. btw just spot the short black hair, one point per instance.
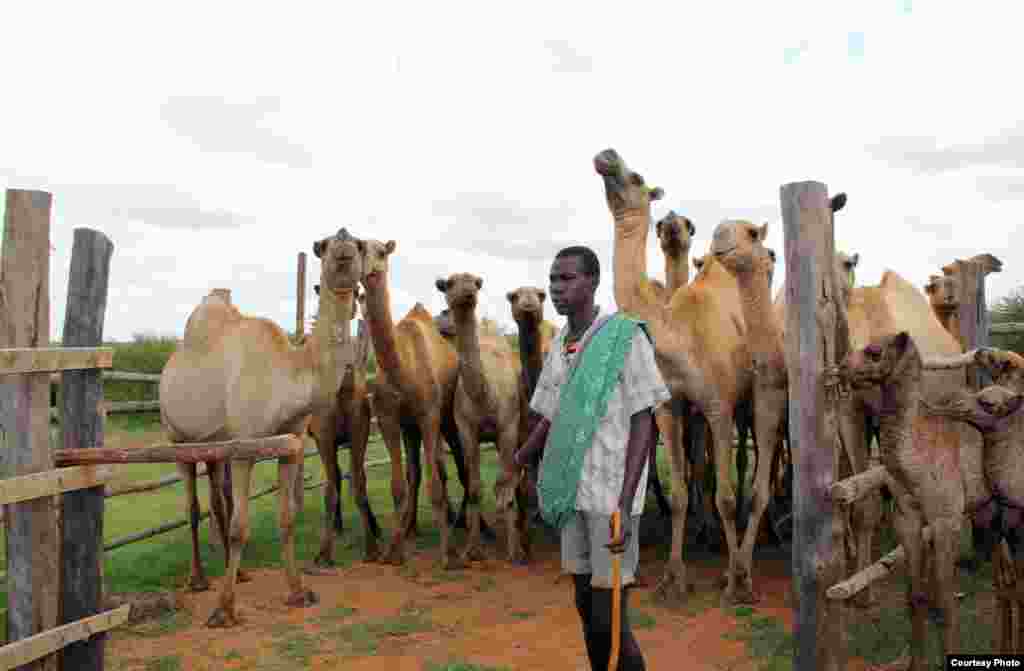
{"type": "Point", "coordinates": [588, 259]}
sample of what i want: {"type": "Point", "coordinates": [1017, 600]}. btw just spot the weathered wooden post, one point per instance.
{"type": "Point", "coordinates": [82, 421]}
{"type": "Point", "coordinates": [816, 340]}
{"type": "Point", "coordinates": [32, 545]}
{"type": "Point", "coordinates": [300, 294]}
{"type": "Point", "coordinates": [215, 536]}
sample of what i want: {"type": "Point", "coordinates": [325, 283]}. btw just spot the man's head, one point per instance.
{"type": "Point", "coordinates": [575, 275]}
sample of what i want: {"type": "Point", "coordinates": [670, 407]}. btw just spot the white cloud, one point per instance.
{"type": "Point", "coordinates": [466, 134]}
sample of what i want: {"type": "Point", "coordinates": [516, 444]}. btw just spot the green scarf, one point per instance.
{"type": "Point", "coordinates": [582, 405]}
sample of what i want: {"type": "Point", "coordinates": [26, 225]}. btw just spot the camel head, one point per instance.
{"type": "Point", "coordinates": [739, 246]}
{"type": "Point", "coordinates": [943, 292]}
{"type": "Point", "coordinates": [375, 261]}
{"type": "Point", "coordinates": [624, 189]}
{"type": "Point", "coordinates": [460, 292]}
{"type": "Point", "coordinates": [675, 233]}
{"type": "Point", "coordinates": [527, 304]}
{"type": "Point", "coordinates": [984, 410]}
{"type": "Point", "coordinates": [1005, 368]}
{"type": "Point", "coordinates": [988, 263]}
{"type": "Point", "coordinates": [341, 264]}
{"type": "Point", "coordinates": [884, 360]}
{"type": "Point", "coordinates": [698, 262]}
{"type": "Point", "coordinates": [444, 323]}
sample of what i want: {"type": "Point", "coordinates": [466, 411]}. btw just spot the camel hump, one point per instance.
{"type": "Point", "coordinates": [208, 323]}
{"type": "Point", "coordinates": [419, 313]}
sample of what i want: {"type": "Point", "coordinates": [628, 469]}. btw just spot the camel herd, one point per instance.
{"type": "Point", "coordinates": [719, 342]}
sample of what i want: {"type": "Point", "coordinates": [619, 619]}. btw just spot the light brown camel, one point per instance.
{"type": "Point", "coordinates": [700, 347]}
{"type": "Point", "coordinates": [944, 296]}
{"type": "Point", "coordinates": [417, 370]}
{"type": "Point", "coordinates": [487, 401]}
{"type": "Point", "coordinates": [346, 419]}
{"type": "Point", "coordinates": [236, 376]}
{"type": "Point", "coordinates": [675, 235]}
{"type": "Point", "coordinates": [921, 453]}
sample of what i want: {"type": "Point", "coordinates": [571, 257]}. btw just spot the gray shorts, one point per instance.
{"type": "Point", "coordinates": [583, 548]}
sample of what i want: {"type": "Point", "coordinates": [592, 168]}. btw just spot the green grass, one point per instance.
{"type": "Point", "coordinates": [364, 638]}
{"type": "Point", "coordinates": [299, 647]}
{"type": "Point", "coordinates": [167, 663]}
{"type": "Point", "coordinates": [641, 619]}
{"type": "Point", "coordinates": [767, 640]}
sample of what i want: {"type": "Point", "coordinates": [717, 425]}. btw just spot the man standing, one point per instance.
{"type": "Point", "coordinates": [594, 402]}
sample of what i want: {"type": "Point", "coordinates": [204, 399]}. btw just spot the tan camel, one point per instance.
{"type": "Point", "coordinates": [239, 377]}
{"type": "Point", "coordinates": [487, 401]}
{"type": "Point", "coordinates": [920, 452]}
{"type": "Point", "coordinates": [944, 296]}
{"type": "Point", "coordinates": [701, 350]}
{"type": "Point", "coordinates": [346, 419]}
{"type": "Point", "coordinates": [417, 370]}
{"type": "Point", "coordinates": [675, 235]}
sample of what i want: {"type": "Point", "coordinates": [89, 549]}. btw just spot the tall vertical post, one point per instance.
{"type": "Point", "coordinates": [816, 338]}
{"type": "Point", "coordinates": [300, 295]}
{"type": "Point", "coordinates": [33, 550]}
{"type": "Point", "coordinates": [215, 536]}
{"type": "Point", "coordinates": [82, 530]}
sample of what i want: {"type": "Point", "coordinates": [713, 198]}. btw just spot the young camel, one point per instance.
{"type": "Point", "coordinates": [414, 390]}
{"type": "Point", "coordinates": [921, 453]}
{"type": "Point", "coordinates": [701, 350]}
{"type": "Point", "coordinates": [239, 377]}
{"type": "Point", "coordinates": [487, 401]}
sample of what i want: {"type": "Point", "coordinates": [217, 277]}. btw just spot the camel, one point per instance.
{"type": "Point", "coordinates": [1004, 367]}
{"type": "Point", "coordinates": [921, 454]}
{"type": "Point", "coordinates": [346, 419]}
{"type": "Point", "coordinates": [701, 350]}
{"type": "Point", "coordinates": [236, 376]}
{"type": "Point", "coordinates": [675, 235]}
{"type": "Point", "coordinates": [488, 400]}
{"type": "Point", "coordinates": [944, 296]}
{"type": "Point", "coordinates": [412, 394]}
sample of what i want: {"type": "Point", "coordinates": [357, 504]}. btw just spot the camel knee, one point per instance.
{"type": "Point", "coordinates": [726, 502]}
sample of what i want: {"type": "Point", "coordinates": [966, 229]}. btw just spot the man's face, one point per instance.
{"type": "Point", "coordinates": [570, 287]}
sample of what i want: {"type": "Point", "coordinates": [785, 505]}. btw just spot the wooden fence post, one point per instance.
{"type": "Point", "coordinates": [215, 538]}
{"type": "Point", "coordinates": [815, 325]}
{"type": "Point", "coordinates": [32, 546]}
{"type": "Point", "coordinates": [300, 306]}
{"type": "Point", "coordinates": [82, 421]}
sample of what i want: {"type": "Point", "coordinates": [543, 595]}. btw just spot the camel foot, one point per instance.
{"type": "Point", "coordinates": [473, 553]}
{"type": "Point", "coordinates": [518, 557]}
{"type": "Point", "coordinates": [371, 554]}
{"type": "Point", "coordinates": [302, 599]}
{"type": "Point", "coordinates": [243, 576]}
{"type": "Point", "coordinates": [198, 584]}
{"type": "Point", "coordinates": [223, 618]}
{"type": "Point", "coordinates": [739, 595]}
{"type": "Point", "coordinates": [672, 590]}
{"type": "Point", "coordinates": [450, 563]}
{"type": "Point", "coordinates": [395, 555]}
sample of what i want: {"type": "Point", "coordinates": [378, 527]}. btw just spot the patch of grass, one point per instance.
{"type": "Point", "coordinates": [337, 613]}
{"type": "Point", "coordinates": [641, 619]}
{"type": "Point", "coordinates": [464, 666]}
{"type": "Point", "coordinates": [298, 647]}
{"type": "Point", "coordinates": [882, 635]}
{"type": "Point", "coordinates": [164, 625]}
{"type": "Point", "coordinates": [232, 656]}
{"type": "Point", "coordinates": [768, 641]}
{"type": "Point", "coordinates": [522, 614]}
{"type": "Point", "coordinates": [166, 663]}
{"type": "Point", "coordinates": [743, 611]}
{"type": "Point", "coordinates": [486, 584]}
{"type": "Point", "coordinates": [362, 638]}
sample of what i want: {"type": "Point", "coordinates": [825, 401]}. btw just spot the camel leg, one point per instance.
{"type": "Point", "coordinates": [298, 595]}
{"type": "Point", "coordinates": [725, 500]}
{"type": "Point", "coordinates": [326, 446]}
{"type": "Point", "coordinates": [469, 442]}
{"type": "Point", "coordinates": [672, 588]}
{"type": "Point", "coordinates": [508, 493]}
{"type": "Point", "coordinates": [197, 581]}
{"type": "Point", "coordinates": [743, 430]}
{"type": "Point", "coordinates": [431, 431]}
{"type": "Point", "coordinates": [450, 432]}
{"type": "Point", "coordinates": [769, 410]}
{"type": "Point", "coordinates": [401, 493]}
{"type": "Point", "coordinates": [907, 523]}
{"type": "Point", "coordinates": [412, 438]}
{"type": "Point", "coordinates": [241, 481]}
{"type": "Point", "coordinates": [357, 468]}
{"type": "Point", "coordinates": [867, 511]}
{"type": "Point", "coordinates": [216, 471]}
{"type": "Point", "coordinates": [664, 422]}
{"type": "Point", "coordinates": [946, 541]}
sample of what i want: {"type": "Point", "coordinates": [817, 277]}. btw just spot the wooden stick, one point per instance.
{"type": "Point", "coordinates": [187, 453]}
{"type": "Point", "coordinates": [857, 486]}
{"type": "Point", "coordinates": [32, 648]}
{"type": "Point", "coordinates": [880, 569]}
{"type": "Point", "coordinates": [50, 483]}
{"type": "Point", "coordinates": [116, 376]}
{"type": "Point", "coordinates": [49, 359]}
{"type": "Point", "coordinates": [613, 662]}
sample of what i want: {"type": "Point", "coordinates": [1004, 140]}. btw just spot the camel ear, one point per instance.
{"type": "Point", "coordinates": [838, 202]}
{"type": "Point", "coordinates": [542, 296]}
{"type": "Point", "coordinates": [930, 287]}
{"type": "Point", "coordinates": [657, 225]}
{"type": "Point", "coordinates": [389, 247]}
{"type": "Point", "coordinates": [511, 296]}
{"type": "Point", "coordinates": [771, 255]}
{"type": "Point", "coordinates": [479, 283]}
{"type": "Point", "coordinates": [657, 193]}
{"type": "Point", "coordinates": [316, 288]}
{"type": "Point", "coordinates": [441, 284]}
{"type": "Point", "coordinates": [690, 228]}
{"type": "Point", "coordinates": [318, 248]}
{"type": "Point", "coordinates": [763, 232]}
{"type": "Point", "coordinates": [854, 260]}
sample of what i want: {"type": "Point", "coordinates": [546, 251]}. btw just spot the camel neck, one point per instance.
{"type": "Point", "coordinates": [382, 328]}
{"type": "Point", "coordinates": [467, 345]}
{"type": "Point", "coordinates": [633, 290]}
{"type": "Point", "coordinates": [334, 353]}
{"type": "Point", "coordinates": [763, 333]}
{"type": "Point", "coordinates": [531, 358]}
{"type": "Point", "coordinates": [677, 269]}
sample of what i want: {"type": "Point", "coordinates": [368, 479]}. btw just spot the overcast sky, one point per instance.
{"type": "Point", "coordinates": [213, 142]}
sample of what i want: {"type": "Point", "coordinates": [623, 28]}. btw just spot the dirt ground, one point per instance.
{"type": "Point", "coordinates": [374, 617]}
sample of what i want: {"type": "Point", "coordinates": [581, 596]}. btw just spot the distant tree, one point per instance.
{"type": "Point", "coordinates": [1009, 308]}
